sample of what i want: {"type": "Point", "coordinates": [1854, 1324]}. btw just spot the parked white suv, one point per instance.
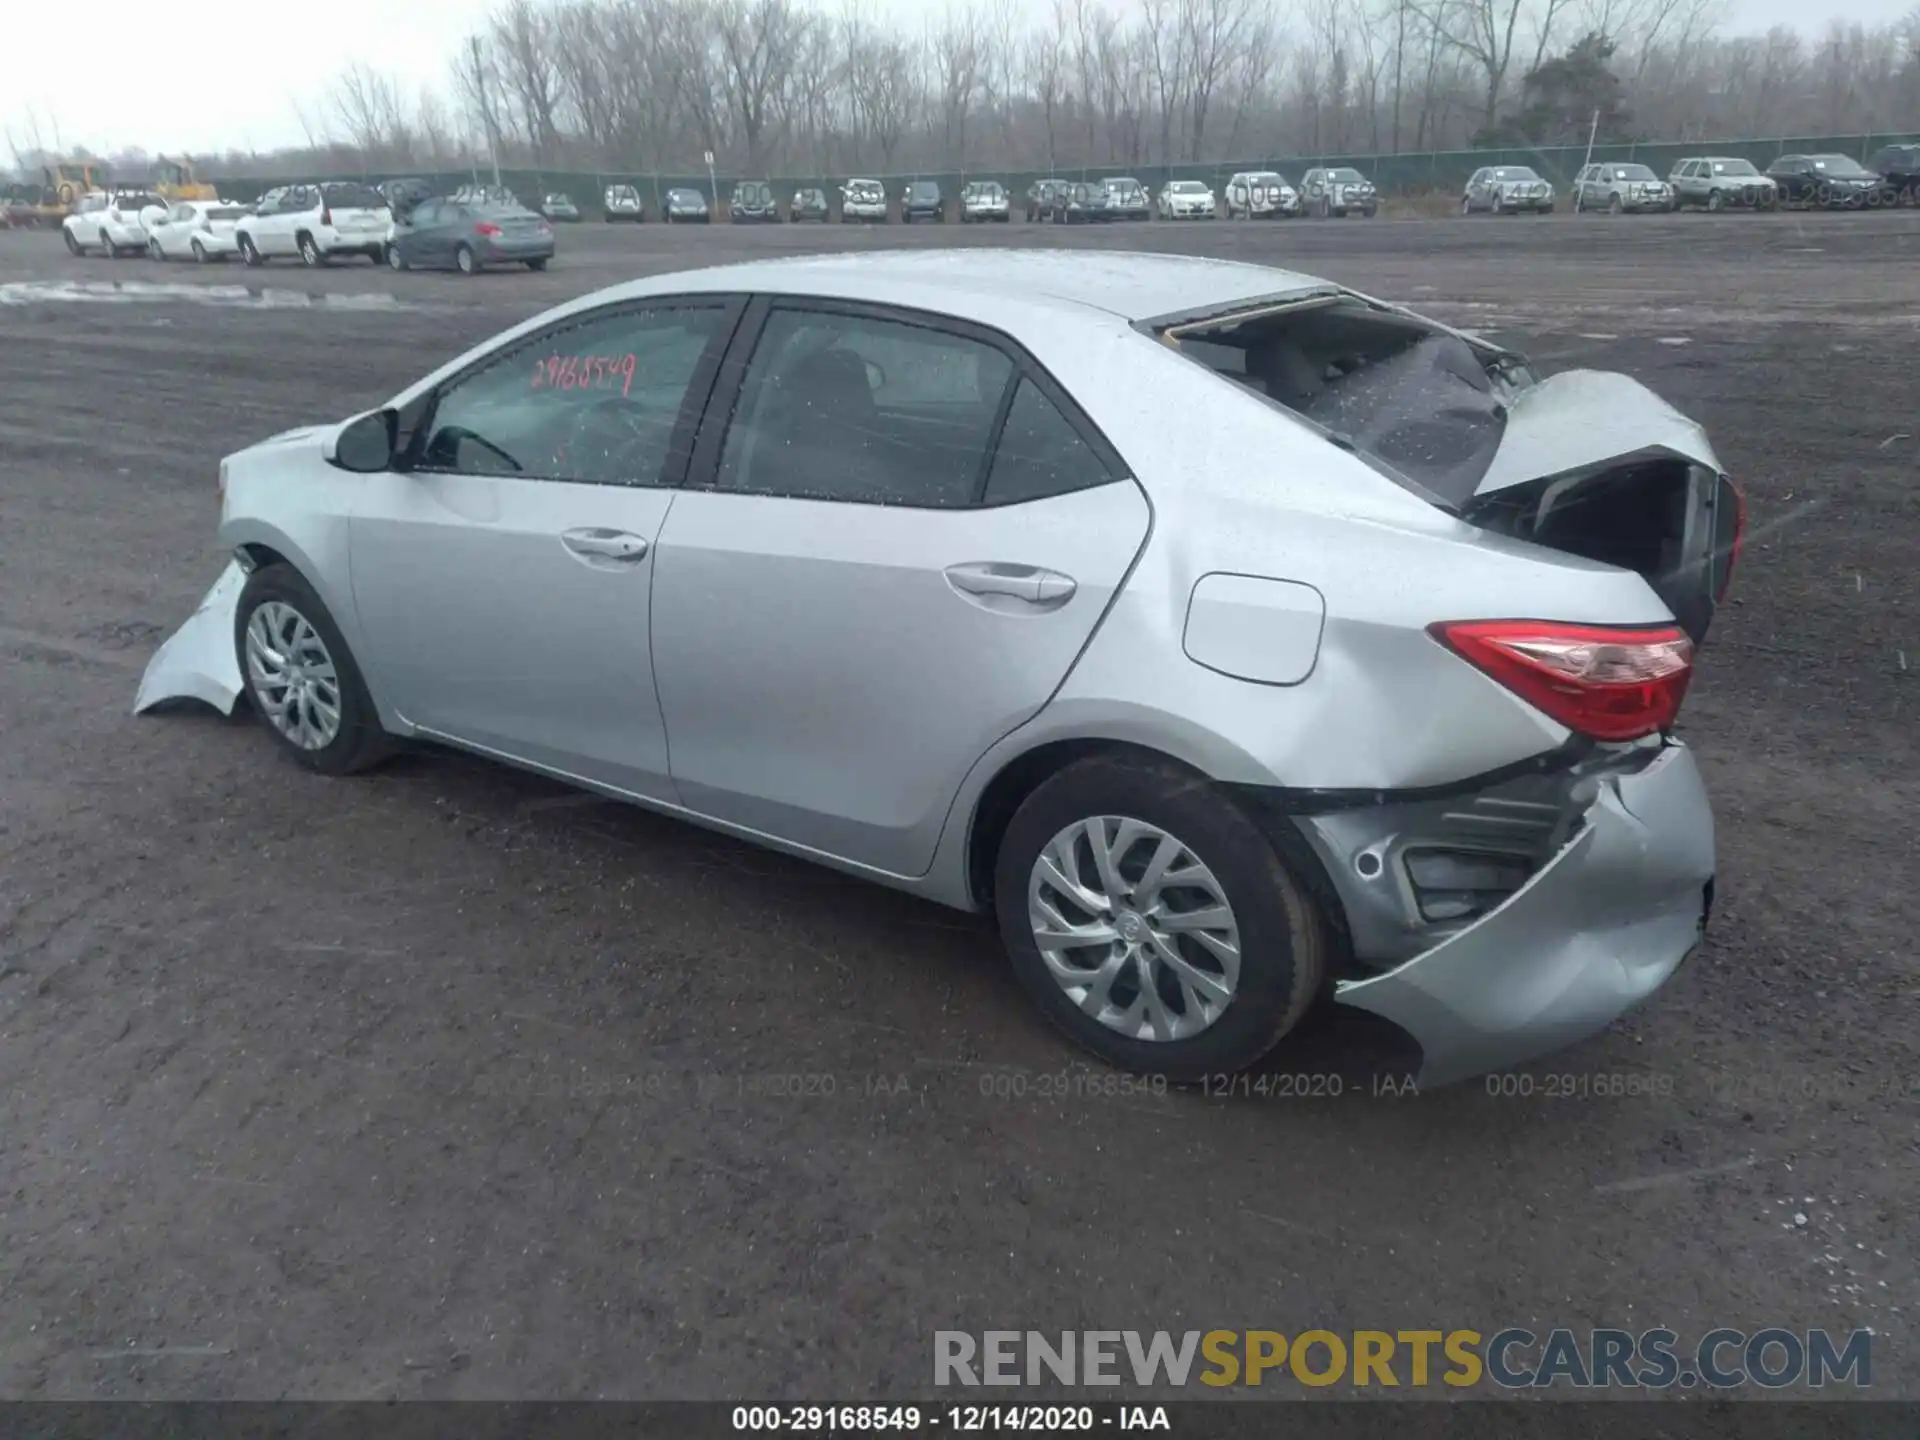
{"type": "Point", "coordinates": [863, 201]}
{"type": "Point", "coordinates": [1261, 194]}
{"type": "Point", "coordinates": [316, 223]}
{"type": "Point", "coordinates": [114, 224]}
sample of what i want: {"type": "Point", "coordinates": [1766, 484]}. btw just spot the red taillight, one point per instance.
{"type": "Point", "coordinates": [326, 217]}
{"type": "Point", "coordinates": [1597, 680]}
{"type": "Point", "coordinates": [486, 227]}
{"type": "Point", "coordinates": [1732, 529]}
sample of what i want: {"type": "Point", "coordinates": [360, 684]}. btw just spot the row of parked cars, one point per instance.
{"type": "Point", "coordinates": [1708, 182]}
{"type": "Point", "coordinates": [1332, 191]}
{"type": "Point", "coordinates": [403, 224]}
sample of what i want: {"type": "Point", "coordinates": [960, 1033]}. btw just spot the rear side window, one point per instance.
{"type": "Point", "coordinates": [1040, 454]}
{"type": "Point", "coordinates": [864, 410]}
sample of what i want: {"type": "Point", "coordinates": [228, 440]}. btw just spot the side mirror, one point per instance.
{"type": "Point", "coordinates": [365, 444]}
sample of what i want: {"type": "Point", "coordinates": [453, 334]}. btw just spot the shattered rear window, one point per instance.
{"type": "Point", "coordinates": [1421, 405]}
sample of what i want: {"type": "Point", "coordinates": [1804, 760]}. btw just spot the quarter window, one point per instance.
{"type": "Point", "coordinates": [596, 402]}
{"type": "Point", "coordinates": [1040, 454]}
{"type": "Point", "coordinates": [872, 411]}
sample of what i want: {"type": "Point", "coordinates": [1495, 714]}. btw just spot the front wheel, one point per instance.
{"type": "Point", "coordinates": [539, 264]}
{"type": "Point", "coordinates": [301, 678]}
{"type": "Point", "coordinates": [1153, 922]}
{"type": "Point", "coordinates": [1615, 206]}
{"type": "Point", "coordinates": [465, 261]}
{"type": "Point", "coordinates": [395, 260]}
{"type": "Point", "coordinates": [154, 252]}
{"type": "Point", "coordinates": [250, 252]}
{"type": "Point", "coordinates": [200, 256]}
{"type": "Point", "coordinates": [74, 247]}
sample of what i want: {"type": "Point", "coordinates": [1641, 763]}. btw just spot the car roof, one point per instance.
{"type": "Point", "coordinates": [1134, 286]}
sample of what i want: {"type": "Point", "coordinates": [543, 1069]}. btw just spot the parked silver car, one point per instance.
{"type": "Point", "coordinates": [1722, 182]}
{"type": "Point", "coordinates": [1163, 609]}
{"type": "Point", "coordinates": [1617, 189]}
{"type": "Point", "coordinates": [1339, 191]}
{"type": "Point", "coordinates": [1507, 190]}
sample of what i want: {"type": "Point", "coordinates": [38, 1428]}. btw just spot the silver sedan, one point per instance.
{"type": "Point", "coordinates": [1160, 608]}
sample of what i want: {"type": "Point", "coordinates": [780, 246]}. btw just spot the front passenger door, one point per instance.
{"type": "Point", "coordinates": [899, 537]}
{"type": "Point", "coordinates": [502, 574]}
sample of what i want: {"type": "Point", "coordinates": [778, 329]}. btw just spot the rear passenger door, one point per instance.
{"type": "Point", "coordinates": [898, 536]}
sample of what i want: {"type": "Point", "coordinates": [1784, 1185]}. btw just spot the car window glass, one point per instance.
{"type": "Point", "coordinates": [1040, 453]}
{"type": "Point", "coordinates": [595, 402]}
{"type": "Point", "coordinates": [841, 407]}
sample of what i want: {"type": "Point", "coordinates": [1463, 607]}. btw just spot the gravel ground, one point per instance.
{"type": "Point", "coordinates": [445, 1082]}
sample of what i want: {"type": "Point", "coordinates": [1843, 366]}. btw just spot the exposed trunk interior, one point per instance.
{"type": "Point", "coordinates": [1590, 464]}
{"type": "Point", "coordinates": [1652, 515]}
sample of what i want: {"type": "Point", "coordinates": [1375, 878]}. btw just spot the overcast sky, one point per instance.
{"type": "Point", "coordinates": [168, 84]}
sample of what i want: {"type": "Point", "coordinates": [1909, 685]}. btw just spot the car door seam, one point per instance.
{"type": "Point", "coordinates": [1093, 633]}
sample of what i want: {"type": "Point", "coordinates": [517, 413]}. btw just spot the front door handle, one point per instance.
{"type": "Point", "coordinates": [1001, 585]}
{"type": "Point", "coordinates": [596, 543]}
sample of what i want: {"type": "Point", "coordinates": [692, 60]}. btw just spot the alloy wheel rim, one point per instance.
{"type": "Point", "coordinates": [1134, 928]}
{"type": "Point", "coordinates": [292, 675]}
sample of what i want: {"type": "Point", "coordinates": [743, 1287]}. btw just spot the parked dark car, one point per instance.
{"type": "Point", "coordinates": [1898, 167]}
{"type": "Point", "coordinates": [453, 235]}
{"type": "Point", "coordinates": [1042, 195]}
{"type": "Point", "coordinates": [752, 203]}
{"type": "Point", "coordinates": [1833, 182]}
{"type": "Point", "coordinates": [1081, 203]}
{"type": "Point", "coordinates": [1126, 199]}
{"type": "Point", "coordinates": [685, 207]}
{"type": "Point", "coordinates": [923, 201]}
{"type": "Point", "coordinates": [809, 204]}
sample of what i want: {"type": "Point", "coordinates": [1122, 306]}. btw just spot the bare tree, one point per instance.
{"type": "Point", "coordinates": [758, 42]}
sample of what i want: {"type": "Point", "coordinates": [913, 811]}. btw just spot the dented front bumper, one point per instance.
{"type": "Point", "coordinates": [198, 661]}
{"type": "Point", "coordinates": [1600, 925]}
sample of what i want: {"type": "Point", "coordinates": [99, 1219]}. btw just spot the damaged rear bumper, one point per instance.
{"type": "Point", "coordinates": [1613, 910]}
{"type": "Point", "coordinates": [198, 662]}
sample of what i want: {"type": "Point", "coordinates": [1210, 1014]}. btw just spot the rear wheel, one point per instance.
{"type": "Point", "coordinates": [311, 255]}
{"type": "Point", "coordinates": [539, 264]}
{"type": "Point", "coordinates": [1153, 922]}
{"type": "Point", "coordinates": [301, 678]}
{"type": "Point", "coordinates": [200, 256]}
{"type": "Point", "coordinates": [107, 245]}
{"type": "Point", "coordinates": [1615, 205]}
{"type": "Point", "coordinates": [250, 252]}
{"type": "Point", "coordinates": [395, 260]}
{"type": "Point", "coordinates": [74, 247]}
{"type": "Point", "coordinates": [154, 252]}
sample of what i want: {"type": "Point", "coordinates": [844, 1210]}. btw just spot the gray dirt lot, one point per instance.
{"type": "Point", "coordinates": [442, 1082]}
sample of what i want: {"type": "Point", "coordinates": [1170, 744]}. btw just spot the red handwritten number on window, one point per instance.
{"type": "Point", "coordinates": [585, 372]}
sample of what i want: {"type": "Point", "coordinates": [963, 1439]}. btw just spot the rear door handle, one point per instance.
{"type": "Point", "coordinates": [596, 543]}
{"type": "Point", "coordinates": [998, 583]}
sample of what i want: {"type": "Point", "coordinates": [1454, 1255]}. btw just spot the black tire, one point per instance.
{"type": "Point", "coordinates": [154, 252]}
{"type": "Point", "coordinates": [250, 253]}
{"type": "Point", "coordinates": [1615, 205]}
{"type": "Point", "coordinates": [1282, 937]}
{"type": "Point", "coordinates": [200, 256]}
{"type": "Point", "coordinates": [360, 743]}
{"type": "Point", "coordinates": [107, 245]}
{"type": "Point", "coordinates": [539, 264]}
{"type": "Point", "coordinates": [74, 247]}
{"type": "Point", "coordinates": [465, 261]}
{"type": "Point", "coordinates": [395, 260]}
{"type": "Point", "coordinates": [310, 253]}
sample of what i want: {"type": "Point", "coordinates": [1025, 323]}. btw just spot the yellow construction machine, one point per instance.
{"type": "Point", "coordinates": [174, 181]}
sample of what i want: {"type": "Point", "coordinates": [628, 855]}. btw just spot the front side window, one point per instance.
{"type": "Point", "coordinates": [596, 402]}
{"type": "Point", "coordinates": [861, 409]}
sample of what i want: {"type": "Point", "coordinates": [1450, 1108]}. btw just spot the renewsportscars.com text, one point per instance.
{"type": "Point", "coordinates": [1513, 1359]}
